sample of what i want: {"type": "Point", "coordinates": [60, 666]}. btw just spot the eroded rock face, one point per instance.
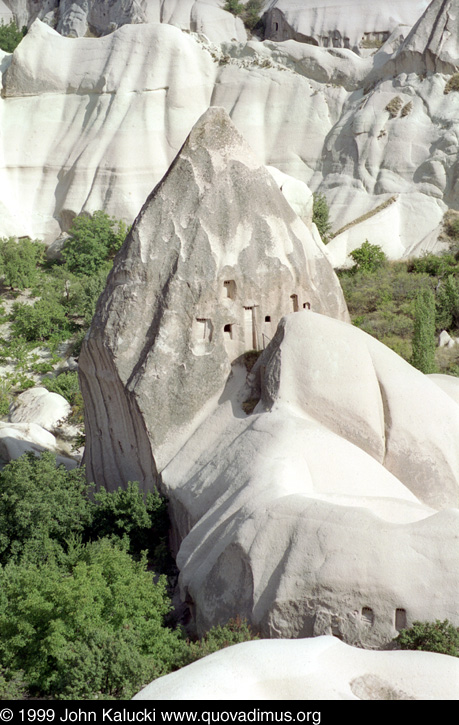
{"type": "Point", "coordinates": [341, 23]}
{"type": "Point", "coordinates": [320, 669]}
{"type": "Point", "coordinates": [317, 514]}
{"type": "Point", "coordinates": [214, 260]}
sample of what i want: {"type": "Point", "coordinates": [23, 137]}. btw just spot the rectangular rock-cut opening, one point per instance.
{"type": "Point", "coordinates": [400, 619]}
{"type": "Point", "coordinates": [228, 332]}
{"type": "Point", "coordinates": [368, 615]}
{"type": "Point", "coordinates": [250, 332]}
{"type": "Point", "coordinates": [229, 286]}
{"type": "Point", "coordinates": [203, 329]}
{"type": "Point", "coordinates": [306, 305]}
{"type": "Point", "coordinates": [294, 299]}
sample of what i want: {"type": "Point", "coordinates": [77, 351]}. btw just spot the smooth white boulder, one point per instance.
{"type": "Point", "coordinates": [38, 405]}
{"type": "Point", "coordinates": [19, 438]}
{"type": "Point", "coordinates": [322, 668]}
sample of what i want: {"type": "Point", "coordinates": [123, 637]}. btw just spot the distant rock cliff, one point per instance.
{"type": "Point", "coordinates": [214, 259]}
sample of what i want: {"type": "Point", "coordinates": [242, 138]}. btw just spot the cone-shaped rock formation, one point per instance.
{"type": "Point", "coordinates": [215, 258]}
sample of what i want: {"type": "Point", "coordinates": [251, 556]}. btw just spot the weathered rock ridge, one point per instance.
{"type": "Point", "coordinates": [316, 514]}
{"type": "Point", "coordinates": [213, 261]}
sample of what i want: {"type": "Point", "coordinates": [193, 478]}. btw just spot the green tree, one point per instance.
{"type": "Point", "coordinates": [368, 257]}
{"type": "Point", "coordinates": [447, 304]}
{"type": "Point", "coordinates": [423, 343]}
{"type": "Point", "coordinates": [41, 506]}
{"type": "Point", "coordinates": [237, 630]}
{"type": "Point", "coordinates": [442, 637]}
{"type": "Point", "coordinates": [320, 216]}
{"type": "Point", "coordinates": [19, 260]}
{"type": "Point", "coordinates": [94, 629]}
{"type": "Point", "coordinates": [10, 36]}
{"type": "Point", "coordinates": [93, 241]}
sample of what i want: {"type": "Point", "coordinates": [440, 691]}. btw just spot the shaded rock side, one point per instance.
{"type": "Point", "coordinates": [214, 259]}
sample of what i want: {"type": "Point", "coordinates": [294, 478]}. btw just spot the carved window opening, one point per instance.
{"type": "Point", "coordinates": [294, 299]}
{"type": "Point", "coordinates": [228, 332]}
{"type": "Point", "coordinates": [229, 286]}
{"type": "Point", "coordinates": [268, 318]}
{"type": "Point", "coordinates": [368, 615]}
{"type": "Point", "coordinates": [276, 27]}
{"type": "Point", "coordinates": [307, 306]}
{"type": "Point", "coordinates": [204, 329]}
{"type": "Point", "coordinates": [400, 619]}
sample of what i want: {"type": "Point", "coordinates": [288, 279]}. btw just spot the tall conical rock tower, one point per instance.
{"type": "Point", "coordinates": [213, 261]}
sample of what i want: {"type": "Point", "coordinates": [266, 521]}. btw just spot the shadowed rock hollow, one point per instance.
{"type": "Point", "coordinates": [215, 258]}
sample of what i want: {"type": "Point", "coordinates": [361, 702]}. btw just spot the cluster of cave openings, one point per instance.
{"type": "Point", "coordinates": [229, 287]}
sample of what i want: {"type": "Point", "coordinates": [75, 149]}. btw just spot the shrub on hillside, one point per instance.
{"type": "Point", "coordinates": [320, 216]}
{"type": "Point", "coordinates": [91, 629]}
{"type": "Point", "coordinates": [424, 342]}
{"type": "Point", "coordinates": [442, 637]}
{"type": "Point", "coordinates": [237, 630]}
{"type": "Point", "coordinates": [19, 260]}
{"type": "Point", "coordinates": [368, 257]}
{"type": "Point", "coordinates": [93, 241]}
{"type": "Point", "coordinates": [10, 36]}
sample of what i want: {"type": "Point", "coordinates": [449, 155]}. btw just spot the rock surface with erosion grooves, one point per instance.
{"type": "Point", "coordinates": [78, 18]}
{"type": "Point", "coordinates": [213, 261]}
{"type": "Point", "coordinates": [333, 508]}
{"type": "Point", "coordinates": [322, 668]}
{"type": "Point", "coordinates": [339, 23]}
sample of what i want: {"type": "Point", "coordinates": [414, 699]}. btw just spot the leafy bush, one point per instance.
{"type": "Point", "coordinates": [248, 12]}
{"type": "Point", "coordinates": [320, 216]}
{"type": "Point", "coordinates": [368, 257]}
{"type": "Point", "coordinates": [19, 262]}
{"type": "Point", "coordinates": [442, 637]}
{"type": "Point", "coordinates": [126, 512]}
{"type": "Point", "coordinates": [435, 265]}
{"type": "Point", "coordinates": [93, 241]}
{"type": "Point", "coordinates": [41, 321]}
{"type": "Point", "coordinates": [447, 304]}
{"type": "Point", "coordinates": [237, 630]}
{"type": "Point", "coordinates": [93, 629]}
{"type": "Point", "coordinates": [424, 343]}
{"type": "Point", "coordinates": [41, 506]}
{"type": "Point", "coordinates": [11, 36]}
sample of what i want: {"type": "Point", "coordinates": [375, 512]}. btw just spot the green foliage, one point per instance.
{"type": "Point", "coordinates": [451, 223]}
{"type": "Point", "coordinates": [127, 513]}
{"type": "Point", "coordinates": [442, 637]}
{"type": "Point", "coordinates": [237, 630]}
{"type": "Point", "coordinates": [423, 343]}
{"type": "Point", "coordinates": [92, 629]}
{"type": "Point", "coordinates": [320, 216]}
{"type": "Point", "coordinates": [19, 262]}
{"type": "Point", "coordinates": [435, 265]}
{"type": "Point", "coordinates": [10, 36]}
{"type": "Point", "coordinates": [248, 12]}
{"type": "Point", "coordinates": [368, 257]}
{"type": "Point", "coordinates": [41, 321]}
{"type": "Point", "coordinates": [93, 241]}
{"type": "Point", "coordinates": [447, 304]}
{"type": "Point", "coordinates": [12, 685]}
{"type": "Point", "coordinates": [41, 506]}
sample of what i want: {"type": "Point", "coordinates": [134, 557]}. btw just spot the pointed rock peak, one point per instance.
{"type": "Point", "coordinates": [435, 37]}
